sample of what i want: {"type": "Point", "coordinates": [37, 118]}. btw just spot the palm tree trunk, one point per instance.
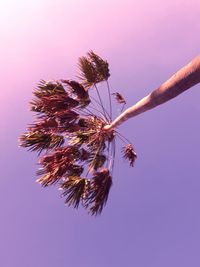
{"type": "Point", "coordinates": [184, 79]}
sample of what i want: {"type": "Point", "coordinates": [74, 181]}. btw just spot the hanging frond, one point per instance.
{"type": "Point", "coordinates": [75, 188]}
{"type": "Point", "coordinates": [39, 140]}
{"type": "Point", "coordinates": [119, 98]}
{"type": "Point", "coordinates": [129, 154]}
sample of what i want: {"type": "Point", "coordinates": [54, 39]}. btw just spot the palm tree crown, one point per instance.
{"type": "Point", "coordinates": [69, 134]}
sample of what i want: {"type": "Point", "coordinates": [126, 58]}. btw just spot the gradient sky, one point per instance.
{"type": "Point", "coordinates": [152, 217]}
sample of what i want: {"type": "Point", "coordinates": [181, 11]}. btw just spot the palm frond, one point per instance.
{"type": "Point", "coordinates": [76, 88]}
{"type": "Point", "coordinates": [80, 138]}
{"type": "Point", "coordinates": [84, 155]}
{"type": "Point", "coordinates": [93, 69]}
{"type": "Point", "coordinates": [98, 192]}
{"type": "Point", "coordinates": [45, 124]}
{"type": "Point", "coordinates": [101, 66]}
{"type": "Point", "coordinates": [75, 170]}
{"type": "Point", "coordinates": [75, 188]}
{"type": "Point", "coordinates": [58, 165]}
{"type": "Point", "coordinates": [119, 98]}
{"type": "Point", "coordinates": [39, 140]}
{"type": "Point", "coordinates": [48, 88]}
{"type": "Point", "coordinates": [96, 161]}
{"type": "Point", "coordinates": [129, 154]}
{"type": "Point", "coordinates": [88, 73]}
{"type": "Point", "coordinates": [65, 154]}
{"type": "Point", "coordinates": [54, 103]}
{"type": "Point", "coordinates": [66, 116]}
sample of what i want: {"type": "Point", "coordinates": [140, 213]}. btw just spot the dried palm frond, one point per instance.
{"type": "Point", "coordinates": [59, 164]}
{"type": "Point", "coordinates": [88, 73]}
{"type": "Point", "coordinates": [96, 160]}
{"type": "Point", "coordinates": [93, 69]}
{"type": "Point", "coordinates": [66, 116]}
{"type": "Point", "coordinates": [58, 103]}
{"type": "Point", "coordinates": [75, 188]}
{"type": "Point", "coordinates": [84, 123]}
{"type": "Point", "coordinates": [75, 170]}
{"type": "Point", "coordinates": [99, 189]}
{"type": "Point", "coordinates": [47, 179]}
{"type": "Point", "coordinates": [84, 155]}
{"type": "Point", "coordinates": [80, 138]}
{"type": "Point", "coordinates": [78, 89]}
{"type": "Point", "coordinates": [101, 66]}
{"type": "Point", "coordinates": [119, 98]}
{"type": "Point", "coordinates": [69, 127]}
{"type": "Point", "coordinates": [46, 124]}
{"type": "Point", "coordinates": [48, 88]}
{"type": "Point", "coordinates": [52, 104]}
{"type": "Point", "coordinates": [39, 140]}
{"type": "Point", "coordinates": [129, 154]}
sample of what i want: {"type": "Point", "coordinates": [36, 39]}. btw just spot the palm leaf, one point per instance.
{"type": "Point", "coordinates": [129, 154]}
{"type": "Point", "coordinates": [39, 140]}
{"type": "Point", "coordinates": [75, 188]}
{"type": "Point", "coordinates": [99, 190]}
{"type": "Point", "coordinates": [101, 66]}
{"type": "Point", "coordinates": [66, 114]}
{"type": "Point", "coordinates": [119, 98]}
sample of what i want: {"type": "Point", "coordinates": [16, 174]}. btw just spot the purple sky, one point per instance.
{"type": "Point", "coordinates": [152, 217]}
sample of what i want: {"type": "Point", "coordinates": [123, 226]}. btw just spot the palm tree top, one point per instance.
{"type": "Point", "coordinates": [75, 151]}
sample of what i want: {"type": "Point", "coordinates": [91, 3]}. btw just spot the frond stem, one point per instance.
{"type": "Point", "coordinates": [122, 137]}
{"type": "Point", "coordinates": [93, 98]}
{"type": "Point", "coordinates": [110, 103]}
{"type": "Point", "coordinates": [101, 103]}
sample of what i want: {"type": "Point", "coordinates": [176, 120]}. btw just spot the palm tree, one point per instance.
{"type": "Point", "coordinates": [184, 79]}
{"type": "Point", "coordinates": [75, 136]}
{"type": "Point", "coordinates": [69, 135]}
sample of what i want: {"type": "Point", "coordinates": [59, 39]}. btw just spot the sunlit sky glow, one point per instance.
{"type": "Point", "coordinates": [152, 216]}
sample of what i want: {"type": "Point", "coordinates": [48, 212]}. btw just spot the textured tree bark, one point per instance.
{"type": "Point", "coordinates": [184, 79]}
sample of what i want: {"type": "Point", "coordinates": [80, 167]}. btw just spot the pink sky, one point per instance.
{"type": "Point", "coordinates": [152, 217]}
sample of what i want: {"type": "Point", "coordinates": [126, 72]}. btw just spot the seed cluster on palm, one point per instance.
{"type": "Point", "coordinates": [75, 150]}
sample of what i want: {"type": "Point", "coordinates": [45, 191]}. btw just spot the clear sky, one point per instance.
{"type": "Point", "coordinates": [152, 217]}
